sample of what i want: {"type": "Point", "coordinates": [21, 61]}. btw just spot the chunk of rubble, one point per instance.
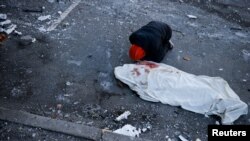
{"type": "Point", "coordinates": [182, 138]}
{"type": "Point", "coordinates": [3, 16]}
{"type": "Point", "coordinates": [10, 29]}
{"type": "Point", "coordinates": [123, 116]}
{"type": "Point", "coordinates": [43, 18]}
{"type": "Point", "coordinates": [191, 16]}
{"type": "Point", "coordinates": [128, 130]}
{"type": "Point", "coordinates": [18, 33]}
{"type": "Point", "coordinates": [5, 22]}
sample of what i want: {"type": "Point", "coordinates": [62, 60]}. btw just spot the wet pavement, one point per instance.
{"type": "Point", "coordinates": [67, 73]}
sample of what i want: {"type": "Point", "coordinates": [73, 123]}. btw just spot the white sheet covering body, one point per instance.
{"type": "Point", "coordinates": [158, 82]}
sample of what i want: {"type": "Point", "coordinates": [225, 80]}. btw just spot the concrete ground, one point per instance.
{"type": "Point", "coordinates": [68, 72]}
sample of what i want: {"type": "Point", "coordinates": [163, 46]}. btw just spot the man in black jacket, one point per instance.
{"type": "Point", "coordinates": [151, 42]}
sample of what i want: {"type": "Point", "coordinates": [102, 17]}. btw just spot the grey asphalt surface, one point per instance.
{"type": "Point", "coordinates": [68, 73]}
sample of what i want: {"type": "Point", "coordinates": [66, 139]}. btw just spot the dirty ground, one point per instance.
{"type": "Point", "coordinates": [67, 72]}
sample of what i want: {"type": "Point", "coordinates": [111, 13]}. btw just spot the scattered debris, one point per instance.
{"type": "Point", "coordinates": [59, 12]}
{"type": "Point", "coordinates": [246, 55]}
{"type": "Point", "coordinates": [198, 139]}
{"type": "Point", "coordinates": [220, 69]}
{"type": "Point", "coordinates": [26, 40]}
{"type": "Point", "coordinates": [33, 135]}
{"type": "Point", "coordinates": [11, 28]}
{"type": "Point", "coordinates": [42, 29]}
{"type": "Point", "coordinates": [5, 22]}
{"type": "Point", "coordinates": [217, 122]}
{"type": "Point", "coordinates": [66, 115]}
{"type": "Point", "coordinates": [244, 80]}
{"type": "Point", "coordinates": [43, 18]}
{"type": "Point", "coordinates": [59, 106]}
{"type": "Point", "coordinates": [144, 129]}
{"type": "Point", "coordinates": [78, 63]}
{"type": "Point", "coordinates": [128, 130]}
{"type": "Point", "coordinates": [68, 83]}
{"type": "Point", "coordinates": [191, 16]}
{"type": "Point", "coordinates": [181, 1]}
{"type": "Point", "coordinates": [51, 1]}
{"type": "Point", "coordinates": [182, 138]}
{"type": "Point", "coordinates": [3, 16]}
{"type": "Point", "coordinates": [186, 58]}
{"type": "Point", "coordinates": [75, 103]}
{"type": "Point", "coordinates": [240, 34]}
{"type": "Point", "coordinates": [123, 116]}
{"type": "Point", "coordinates": [18, 33]}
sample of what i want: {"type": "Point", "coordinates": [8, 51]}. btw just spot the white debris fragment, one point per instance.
{"type": "Point", "coordinates": [244, 80]}
{"type": "Point", "coordinates": [51, 1]}
{"type": "Point", "coordinates": [5, 22]}
{"type": "Point", "coordinates": [66, 115]}
{"type": "Point", "coordinates": [182, 138]}
{"type": "Point", "coordinates": [78, 63]}
{"type": "Point", "coordinates": [18, 33]}
{"type": "Point", "coordinates": [198, 139]}
{"type": "Point", "coordinates": [33, 135]}
{"type": "Point", "coordinates": [68, 83]}
{"type": "Point", "coordinates": [3, 16]}
{"type": "Point", "coordinates": [169, 139]}
{"type": "Point", "coordinates": [75, 103]}
{"type": "Point", "coordinates": [123, 116]}
{"type": "Point", "coordinates": [59, 12]}
{"type": "Point", "coordinates": [246, 54]}
{"type": "Point", "coordinates": [11, 28]}
{"type": "Point", "coordinates": [191, 16]}
{"type": "Point", "coordinates": [42, 29]}
{"type": "Point", "coordinates": [43, 18]}
{"type": "Point", "coordinates": [128, 130]}
{"type": "Point", "coordinates": [144, 129]}
{"type": "Point", "coordinates": [217, 123]}
{"type": "Point", "coordinates": [220, 69]}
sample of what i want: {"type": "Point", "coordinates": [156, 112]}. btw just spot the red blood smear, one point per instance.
{"type": "Point", "coordinates": [149, 64]}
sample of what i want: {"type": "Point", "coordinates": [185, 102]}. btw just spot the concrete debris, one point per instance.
{"type": "Point", "coordinates": [51, 1]}
{"type": "Point", "coordinates": [59, 12]}
{"type": "Point", "coordinates": [59, 106]}
{"type": "Point", "coordinates": [42, 29]}
{"type": "Point", "coordinates": [244, 80]}
{"type": "Point", "coordinates": [10, 29]}
{"type": "Point", "coordinates": [144, 129]}
{"type": "Point", "coordinates": [5, 22]}
{"type": "Point", "coordinates": [128, 130]}
{"type": "Point", "coordinates": [198, 139]}
{"type": "Point", "coordinates": [78, 63]}
{"type": "Point", "coordinates": [186, 58]}
{"type": "Point", "coordinates": [220, 69]}
{"type": "Point", "coordinates": [182, 138]}
{"type": "Point", "coordinates": [3, 16]}
{"type": "Point", "coordinates": [246, 54]}
{"type": "Point", "coordinates": [18, 33]}
{"type": "Point", "coordinates": [123, 116]}
{"type": "Point", "coordinates": [33, 135]}
{"type": "Point", "coordinates": [191, 16]}
{"type": "Point", "coordinates": [68, 83]}
{"type": "Point", "coordinates": [43, 18]}
{"type": "Point", "coordinates": [217, 123]}
{"type": "Point", "coordinates": [27, 40]}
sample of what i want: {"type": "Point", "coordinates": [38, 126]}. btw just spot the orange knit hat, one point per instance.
{"type": "Point", "coordinates": [136, 52]}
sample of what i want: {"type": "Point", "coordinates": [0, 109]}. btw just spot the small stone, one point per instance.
{"type": "Point", "coordinates": [59, 106]}
{"type": "Point", "coordinates": [217, 123]}
{"type": "Point", "coordinates": [66, 115]}
{"type": "Point", "coordinates": [220, 69]}
{"type": "Point", "coordinates": [198, 139]}
{"type": "Point", "coordinates": [33, 135]}
{"type": "Point", "coordinates": [186, 58]}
